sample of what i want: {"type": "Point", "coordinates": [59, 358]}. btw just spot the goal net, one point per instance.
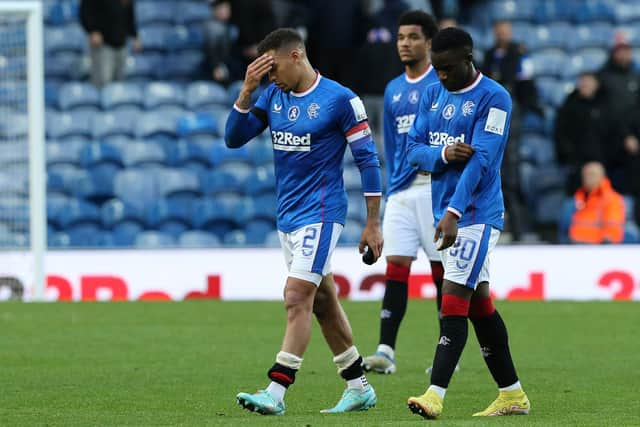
{"type": "Point", "coordinates": [22, 166]}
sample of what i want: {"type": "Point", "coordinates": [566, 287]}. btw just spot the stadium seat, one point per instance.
{"type": "Point", "coordinates": [10, 184]}
{"type": "Point", "coordinates": [178, 184]}
{"type": "Point", "coordinates": [553, 10]}
{"type": "Point", "coordinates": [188, 155]}
{"type": "Point", "coordinates": [14, 125]}
{"type": "Point", "coordinates": [352, 180]}
{"type": "Point", "coordinates": [568, 207]}
{"type": "Point", "coordinates": [17, 208]}
{"type": "Point", "coordinates": [96, 153]}
{"type": "Point", "coordinates": [143, 67]}
{"type": "Point", "coordinates": [59, 239]}
{"type": "Point", "coordinates": [261, 153]}
{"type": "Point", "coordinates": [64, 66]}
{"type": "Point", "coordinates": [154, 239]}
{"type": "Point", "coordinates": [139, 154]}
{"type": "Point", "coordinates": [183, 66]}
{"type": "Point", "coordinates": [272, 239]}
{"type": "Point", "coordinates": [553, 35]}
{"type": "Point", "coordinates": [60, 13]}
{"type": "Point", "coordinates": [553, 91]}
{"type": "Point", "coordinates": [549, 62]}
{"type": "Point", "coordinates": [61, 178]}
{"type": "Point", "coordinates": [220, 155]}
{"type": "Point", "coordinates": [256, 231]}
{"type": "Point", "coordinates": [598, 35]}
{"type": "Point", "coordinates": [68, 124]}
{"type": "Point", "coordinates": [78, 212]}
{"type": "Point", "coordinates": [537, 149]}
{"type": "Point", "coordinates": [595, 10]}
{"type": "Point", "coordinates": [56, 203]}
{"type": "Point", "coordinates": [121, 94]}
{"type": "Point", "coordinates": [98, 184]}
{"type": "Point", "coordinates": [14, 91]}
{"type": "Point", "coordinates": [214, 182]}
{"type": "Point", "coordinates": [51, 88]}
{"type": "Point", "coordinates": [235, 238]}
{"type": "Point", "coordinates": [631, 233]}
{"type": "Point", "coordinates": [590, 59]}
{"type": "Point", "coordinates": [64, 152]}
{"type": "Point", "coordinates": [265, 207]}
{"type": "Point", "coordinates": [114, 123]}
{"type": "Point", "coordinates": [87, 236]}
{"type": "Point", "coordinates": [135, 187]}
{"type": "Point", "coordinates": [156, 123]}
{"type": "Point", "coordinates": [205, 94]}
{"type": "Point", "coordinates": [68, 38]}
{"type": "Point", "coordinates": [511, 10]}
{"type": "Point", "coordinates": [76, 95]}
{"type": "Point", "coordinates": [158, 94]}
{"type": "Point", "coordinates": [216, 215]}
{"type": "Point", "coordinates": [356, 209]}
{"type": "Point", "coordinates": [262, 180]}
{"type": "Point", "coordinates": [184, 38]}
{"type": "Point", "coordinates": [164, 212]}
{"type": "Point", "coordinates": [198, 239]}
{"type": "Point", "coordinates": [13, 67]}
{"type": "Point", "coordinates": [155, 12]}
{"type": "Point", "coordinates": [153, 38]}
{"type": "Point", "coordinates": [627, 13]}
{"type": "Point", "coordinates": [197, 124]}
{"type": "Point", "coordinates": [351, 233]}
{"type": "Point", "coordinates": [14, 153]}
{"type": "Point", "coordinates": [548, 208]}
{"type": "Point", "coordinates": [192, 13]}
{"type": "Point", "coordinates": [114, 212]}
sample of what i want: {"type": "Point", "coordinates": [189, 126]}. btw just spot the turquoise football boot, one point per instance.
{"type": "Point", "coordinates": [354, 400]}
{"type": "Point", "coordinates": [261, 402]}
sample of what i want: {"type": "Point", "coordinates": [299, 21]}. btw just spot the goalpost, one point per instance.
{"type": "Point", "coordinates": [22, 155]}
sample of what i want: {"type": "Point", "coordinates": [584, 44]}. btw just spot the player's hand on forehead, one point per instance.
{"type": "Point", "coordinates": [257, 69]}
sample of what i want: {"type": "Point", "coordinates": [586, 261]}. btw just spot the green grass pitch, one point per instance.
{"type": "Point", "coordinates": [117, 364]}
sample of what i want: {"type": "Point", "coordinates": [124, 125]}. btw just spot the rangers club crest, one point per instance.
{"type": "Point", "coordinates": [293, 113]}
{"type": "Point", "coordinates": [449, 111]}
{"type": "Point", "coordinates": [468, 108]}
{"type": "Point", "coordinates": [414, 97]}
{"type": "Point", "coordinates": [312, 110]}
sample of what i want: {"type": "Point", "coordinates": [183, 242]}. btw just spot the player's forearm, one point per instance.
{"type": "Point", "coordinates": [467, 184]}
{"type": "Point", "coordinates": [373, 210]}
{"type": "Point", "coordinates": [426, 157]}
{"type": "Point", "coordinates": [244, 99]}
{"type": "Point", "coordinates": [241, 127]}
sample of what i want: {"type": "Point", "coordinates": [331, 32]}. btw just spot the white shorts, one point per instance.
{"type": "Point", "coordinates": [467, 261]}
{"type": "Point", "coordinates": [408, 221]}
{"type": "Point", "coordinates": [308, 250]}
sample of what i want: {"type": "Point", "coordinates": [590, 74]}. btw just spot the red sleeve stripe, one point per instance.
{"type": "Point", "coordinates": [357, 128]}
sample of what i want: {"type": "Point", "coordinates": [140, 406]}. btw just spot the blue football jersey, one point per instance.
{"type": "Point", "coordinates": [310, 132]}
{"type": "Point", "coordinates": [479, 115]}
{"type": "Point", "coordinates": [401, 102]}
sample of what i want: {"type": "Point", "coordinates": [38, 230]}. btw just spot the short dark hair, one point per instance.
{"type": "Point", "coordinates": [452, 38]}
{"type": "Point", "coordinates": [280, 38]}
{"type": "Point", "coordinates": [423, 19]}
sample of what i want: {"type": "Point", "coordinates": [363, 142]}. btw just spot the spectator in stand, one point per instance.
{"type": "Point", "coordinates": [625, 164]}
{"type": "Point", "coordinates": [620, 77]}
{"type": "Point", "coordinates": [254, 20]}
{"type": "Point", "coordinates": [219, 37]}
{"type": "Point", "coordinates": [506, 63]}
{"type": "Point", "coordinates": [109, 23]}
{"type": "Point", "coordinates": [599, 215]}
{"type": "Point", "coordinates": [337, 29]}
{"type": "Point", "coordinates": [583, 125]}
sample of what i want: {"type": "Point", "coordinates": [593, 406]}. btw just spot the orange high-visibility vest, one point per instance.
{"type": "Point", "coordinates": [599, 215]}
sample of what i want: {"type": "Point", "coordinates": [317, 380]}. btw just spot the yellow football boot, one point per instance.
{"type": "Point", "coordinates": [513, 402]}
{"type": "Point", "coordinates": [429, 405]}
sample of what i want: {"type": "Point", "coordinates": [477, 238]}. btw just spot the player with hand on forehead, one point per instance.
{"type": "Point", "coordinates": [468, 206]}
{"type": "Point", "coordinates": [312, 120]}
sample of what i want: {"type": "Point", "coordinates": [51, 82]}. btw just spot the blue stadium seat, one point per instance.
{"type": "Point", "coordinates": [143, 67]}
{"type": "Point", "coordinates": [183, 38]}
{"type": "Point", "coordinates": [114, 123]}
{"type": "Point", "coordinates": [64, 66]}
{"type": "Point", "coordinates": [178, 184]}
{"type": "Point", "coordinates": [68, 124]}
{"type": "Point", "coordinates": [590, 59]}
{"type": "Point", "coordinates": [205, 94]}
{"type": "Point", "coordinates": [197, 124]}
{"type": "Point", "coordinates": [510, 10]}
{"type": "Point", "coordinates": [10, 184]}
{"type": "Point", "coordinates": [68, 38]}
{"type": "Point", "coordinates": [156, 123]}
{"type": "Point", "coordinates": [14, 153]}
{"type": "Point", "coordinates": [597, 35]}
{"type": "Point", "coordinates": [198, 239]}
{"type": "Point", "coordinates": [352, 180]}
{"type": "Point", "coordinates": [262, 180]}
{"type": "Point", "coordinates": [64, 152]}
{"type": "Point", "coordinates": [568, 207]}
{"type": "Point", "coordinates": [627, 12]}
{"type": "Point", "coordinates": [51, 88]}
{"type": "Point", "coordinates": [356, 209]}
{"type": "Point", "coordinates": [155, 12]}
{"type": "Point", "coordinates": [59, 239]}
{"type": "Point", "coordinates": [265, 206]}
{"type": "Point", "coordinates": [121, 94]}
{"type": "Point", "coordinates": [257, 230]}
{"type": "Point", "coordinates": [549, 62]}
{"type": "Point", "coordinates": [154, 239]}
{"type": "Point", "coordinates": [167, 212]}
{"type": "Point", "coordinates": [16, 208]}
{"type": "Point", "coordinates": [158, 94]}
{"type": "Point", "coordinates": [59, 13]}
{"type": "Point", "coordinates": [553, 10]}
{"type": "Point", "coordinates": [75, 95]}
{"type": "Point", "coordinates": [220, 154]}
{"type": "Point", "coordinates": [61, 178]}
{"type": "Point", "coordinates": [153, 38]}
{"type": "Point", "coordinates": [15, 90]}
{"type": "Point", "coordinates": [272, 239]}
{"type": "Point", "coordinates": [192, 13]}
{"type": "Point", "coordinates": [537, 149]}
{"type": "Point", "coordinates": [553, 91]}
{"type": "Point", "coordinates": [217, 215]}
{"type": "Point", "coordinates": [595, 10]}
{"type": "Point", "coordinates": [13, 67]}
{"type": "Point", "coordinates": [97, 185]}
{"type": "Point", "coordinates": [114, 212]}
{"type": "Point", "coordinates": [78, 212]}
{"type": "Point", "coordinates": [14, 125]}
{"type": "Point", "coordinates": [136, 187]}
{"type": "Point", "coordinates": [235, 238]}
{"type": "Point", "coordinates": [233, 90]}
{"type": "Point", "coordinates": [87, 236]}
{"type": "Point", "coordinates": [183, 66]}
{"type": "Point", "coordinates": [188, 155]}
{"type": "Point", "coordinates": [548, 208]}
{"type": "Point", "coordinates": [96, 153]}
{"type": "Point", "coordinates": [56, 203]}
{"type": "Point", "coordinates": [261, 153]}
{"type": "Point", "coordinates": [553, 35]}
{"type": "Point", "coordinates": [124, 234]}
{"type": "Point", "coordinates": [351, 233]}
{"type": "Point", "coordinates": [214, 182]}
{"type": "Point", "coordinates": [143, 154]}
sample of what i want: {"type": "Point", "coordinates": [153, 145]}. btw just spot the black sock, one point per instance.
{"type": "Point", "coordinates": [282, 375]}
{"type": "Point", "coordinates": [450, 346]}
{"type": "Point", "coordinates": [437, 281]}
{"type": "Point", "coordinates": [353, 371]}
{"type": "Point", "coordinates": [394, 306]}
{"type": "Point", "coordinates": [494, 345]}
